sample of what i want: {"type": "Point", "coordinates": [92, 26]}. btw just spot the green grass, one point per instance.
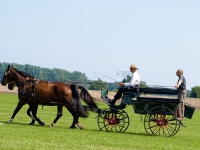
{"type": "Point", "coordinates": [20, 135]}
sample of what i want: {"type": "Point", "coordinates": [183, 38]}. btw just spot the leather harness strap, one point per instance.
{"type": "Point", "coordinates": [28, 81]}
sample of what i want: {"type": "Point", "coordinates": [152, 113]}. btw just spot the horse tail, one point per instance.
{"type": "Point", "coordinates": [87, 98]}
{"type": "Point", "coordinates": [78, 107]}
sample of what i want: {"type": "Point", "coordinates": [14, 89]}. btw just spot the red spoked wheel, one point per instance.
{"type": "Point", "coordinates": [113, 120]}
{"type": "Point", "coordinates": [161, 121]}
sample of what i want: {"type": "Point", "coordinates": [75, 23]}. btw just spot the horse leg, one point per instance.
{"type": "Point", "coordinates": [29, 114]}
{"type": "Point", "coordinates": [75, 122]}
{"type": "Point", "coordinates": [19, 106]}
{"type": "Point", "coordinates": [59, 114]}
{"type": "Point", "coordinates": [34, 112]}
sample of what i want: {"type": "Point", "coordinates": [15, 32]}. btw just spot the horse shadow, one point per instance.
{"type": "Point", "coordinates": [20, 123]}
{"type": "Point", "coordinates": [85, 129]}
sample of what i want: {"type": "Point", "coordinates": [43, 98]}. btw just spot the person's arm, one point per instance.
{"type": "Point", "coordinates": [133, 81]}
{"type": "Point", "coordinates": [179, 82]}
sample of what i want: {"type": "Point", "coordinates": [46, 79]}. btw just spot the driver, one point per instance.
{"type": "Point", "coordinates": [134, 82]}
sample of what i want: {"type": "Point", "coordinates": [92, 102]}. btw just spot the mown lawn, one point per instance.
{"type": "Point", "coordinates": [20, 135]}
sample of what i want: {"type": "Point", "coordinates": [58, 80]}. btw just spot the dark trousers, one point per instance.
{"type": "Point", "coordinates": [121, 90]}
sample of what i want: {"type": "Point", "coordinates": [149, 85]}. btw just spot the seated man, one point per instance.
{"type": "Point", "coordinates": [135, 81]}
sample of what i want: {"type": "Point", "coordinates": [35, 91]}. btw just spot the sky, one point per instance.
{"type": "Point", "coordinates": [105, 36]}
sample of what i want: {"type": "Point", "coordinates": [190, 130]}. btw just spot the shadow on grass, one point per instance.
{"type": "Point", "coordinates": [24, 124]}
{"type": "Point", "coordinates": [132, 133]}
{"type": "Point", "coordinates": [68, 128]}
{"type": "Point", "coordinates": [126, 133]}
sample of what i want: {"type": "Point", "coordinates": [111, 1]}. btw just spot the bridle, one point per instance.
{"type": "Point", "coordinates": [7, 72]}
{"type": "Point", "coordinates": [16, 83]}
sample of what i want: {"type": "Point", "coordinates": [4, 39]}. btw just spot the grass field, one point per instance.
{"type": "Point", "coordinates": [20, 135]}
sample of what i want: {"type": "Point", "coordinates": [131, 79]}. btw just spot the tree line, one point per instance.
{"type": "Point", "coordinates": [46, 73]}
{"type": "Point", "coordinates": [56, 74]}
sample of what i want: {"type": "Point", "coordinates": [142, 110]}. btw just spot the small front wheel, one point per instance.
{"type": "Point", "coordinates": [113, 120]}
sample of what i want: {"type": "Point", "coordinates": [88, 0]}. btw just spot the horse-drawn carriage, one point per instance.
{"type": "Point", "coordinates": [158, 104]}
{"type": "Point", "coordinates": [160, 112]}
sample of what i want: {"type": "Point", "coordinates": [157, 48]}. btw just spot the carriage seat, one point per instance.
{"type": "Point", "coordinates": [130, 95]}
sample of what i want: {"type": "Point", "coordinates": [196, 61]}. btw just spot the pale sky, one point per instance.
{"type": "Point", "coordinates": [105, 36]}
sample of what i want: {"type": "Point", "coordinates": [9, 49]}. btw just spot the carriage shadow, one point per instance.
{"type": "Point", "coordinates": [124, 133]}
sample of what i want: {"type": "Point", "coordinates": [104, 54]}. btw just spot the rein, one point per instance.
{"type": "Point", "coordinates": [104, 76]}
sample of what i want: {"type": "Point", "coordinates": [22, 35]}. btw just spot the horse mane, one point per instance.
{"type": "Point", "coordinates": [22, 73]}
{"type": "Point", "coordinates": [27, 74]}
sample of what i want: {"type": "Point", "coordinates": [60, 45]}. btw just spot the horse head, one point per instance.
{"type": "Point", "coordinates": [11, 85]}
{"type": "Point", "coordinates": [12, 76]}
{"type": "Point", "coordinates": [7, 78]}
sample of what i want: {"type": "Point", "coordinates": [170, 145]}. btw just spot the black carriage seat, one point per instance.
{"type": "Point", "coordinates": [130, 95]}
{"type": "Point", "coordinates": [134, 94]}
{"type": "Point", "coordinates": [157, 91]}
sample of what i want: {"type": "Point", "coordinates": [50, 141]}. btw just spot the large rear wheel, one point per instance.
{"type": "Point", "coordinates": [113, 120]}
{"type": "Point", "coordinates": [161, 121]}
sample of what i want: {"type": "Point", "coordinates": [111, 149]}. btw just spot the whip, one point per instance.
{"type": "Point", "coordinates": [104, 76]}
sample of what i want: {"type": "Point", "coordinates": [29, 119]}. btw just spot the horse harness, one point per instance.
{"type": "Point", "coordinates": [32, 94]}
{"type": "Point", "coordinates": [28, 81]}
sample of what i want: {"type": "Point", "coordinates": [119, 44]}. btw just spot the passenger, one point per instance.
{"type": "Point", "coordinates": [181, 86]}
{"type": "Point", "coordinates": [134, 82]}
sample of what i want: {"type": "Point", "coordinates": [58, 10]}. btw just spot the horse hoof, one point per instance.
{"type": "Point", "coordinates": [72, 127]}
{"type": "Point", "coordinates": [51, 125]}
{"type": "Point", "coordinates": [42, 124]}
{"type": "Point", "coordinates": [32, 123]}
{"type": "Point", "coordinates": [10, 121]}
{"type": "Point", "coordinates": [79, 125]}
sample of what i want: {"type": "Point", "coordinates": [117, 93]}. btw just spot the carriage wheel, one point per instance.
{"type": "Point", "coordinates": [161, 121]}
{"type": "Point", "coordinates": [113, 120]}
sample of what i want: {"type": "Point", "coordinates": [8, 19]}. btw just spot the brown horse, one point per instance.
{"type": "Point", "coordinates": [32, 108]}
{"type": "Point", "coordinates": [38, 92]}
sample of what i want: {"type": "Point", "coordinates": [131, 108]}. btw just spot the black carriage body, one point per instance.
{"type": "Point", "coordinates": [158, 104]}
{"type": "Point", "coordinates": [147, 98]}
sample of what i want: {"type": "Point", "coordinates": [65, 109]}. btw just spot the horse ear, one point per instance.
{"type": "Point", "coordinates": [9, 67]}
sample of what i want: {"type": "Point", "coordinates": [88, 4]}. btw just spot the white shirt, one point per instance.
{"type": "Point", "coordinates": [135, 80]}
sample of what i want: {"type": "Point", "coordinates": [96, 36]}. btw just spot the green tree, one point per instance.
{"type": "Point", "coordinates": [113, 86]}
{"type": "Point", "coordinates": [195, 93]}
{"type": "Point", "coordinates": [188, 93]}
{"type": "Point", "coordinates": [143, 84]}
{"type": "Point", "coordinates": [46, 73]}
{"type": "Point", "coordinates": [98, 85]}
{"type": "Point", "coordinates": [78, 76]}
